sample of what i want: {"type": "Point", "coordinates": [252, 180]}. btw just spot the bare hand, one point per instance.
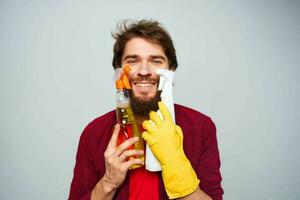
{"type": "Point", "coordinates": [116, 162]}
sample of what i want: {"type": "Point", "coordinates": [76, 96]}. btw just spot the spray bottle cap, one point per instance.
{"type": "Point", "coordinates": [123, 81]}
{"type": "Point", "coordinates": [119, 84]}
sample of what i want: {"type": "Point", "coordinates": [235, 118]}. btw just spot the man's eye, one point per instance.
{"type": "Point", "coordinates": [131, 61]}
{"type": "Point", "coordinates": [156, 61]}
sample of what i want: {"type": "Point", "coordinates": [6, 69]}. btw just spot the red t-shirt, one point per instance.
{"type": "Point", "coordinates": [199, 143]}
{"type": "Point", "coordinates": [143, 184]}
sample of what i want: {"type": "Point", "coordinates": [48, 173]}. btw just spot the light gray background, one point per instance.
{"type": "Point", "coordinates": [238, 63]}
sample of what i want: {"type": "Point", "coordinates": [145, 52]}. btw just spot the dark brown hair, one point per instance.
{"type": "Point", "coordinates": [147, 29]}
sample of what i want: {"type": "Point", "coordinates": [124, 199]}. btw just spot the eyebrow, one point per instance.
{"type": "Point", "coordinates": [130, 56]}
{"type": "Point", "coordinates": [155, 56]}
{"type": "Point", "coordinates": [152, 56]}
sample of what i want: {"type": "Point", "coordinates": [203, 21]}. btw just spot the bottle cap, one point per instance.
{"type": "Point", "coordinates": [119, 84]}
{"type": "Point", "coordinates": [123, 81]}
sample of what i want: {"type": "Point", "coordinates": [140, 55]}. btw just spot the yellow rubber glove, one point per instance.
{"type": "Point", "coordinates": [166, 142]}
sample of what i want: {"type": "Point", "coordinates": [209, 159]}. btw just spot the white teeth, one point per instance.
{"type": "Point", "coordinates": [143, 84]}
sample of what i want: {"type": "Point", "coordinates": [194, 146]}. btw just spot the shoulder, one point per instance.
{"type": "Point", "coordinates": [100, 127]}
{"type": "Point", "coordinates": [194, 123]}
{"type": "Point", "coordinates": [103, 120]}
{"type": "Point", "coordinates": [193, 116]}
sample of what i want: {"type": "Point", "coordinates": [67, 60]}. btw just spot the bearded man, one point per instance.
{"type": "Point", "coordinates": [190, 163]}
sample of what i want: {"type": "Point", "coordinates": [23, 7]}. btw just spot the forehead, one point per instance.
{"type": "Point", "coordinates": [142, 47]}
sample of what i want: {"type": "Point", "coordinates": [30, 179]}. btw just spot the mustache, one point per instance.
{"type": "Point", "coordinates": [144, 79]}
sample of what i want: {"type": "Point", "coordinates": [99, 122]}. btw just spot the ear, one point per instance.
{"type": "Point", "coordinates": [117, 67]}
{"type": "Point", "coordinates": [172, 69]}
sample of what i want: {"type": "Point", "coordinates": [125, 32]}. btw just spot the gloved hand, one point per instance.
{"type": "Point", "coordinates": [166, 142]}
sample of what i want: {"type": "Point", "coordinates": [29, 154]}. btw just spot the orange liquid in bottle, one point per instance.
{"type": "Point", "coordinates": [128, 130]}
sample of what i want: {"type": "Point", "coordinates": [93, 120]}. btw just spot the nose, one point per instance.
{"type": "Point", "coordinates": [144, 69]}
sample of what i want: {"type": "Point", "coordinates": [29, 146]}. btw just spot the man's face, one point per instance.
{"type": "Point", "coordinates": [144, 57]}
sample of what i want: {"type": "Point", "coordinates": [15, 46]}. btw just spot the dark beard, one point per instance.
{"type": "Point", "coordinates": [142, 107]}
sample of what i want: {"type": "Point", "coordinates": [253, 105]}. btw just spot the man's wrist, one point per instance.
{"type": "Point", "coordinates": [106, 186]}
{"type": "Point", "coordinates": [103, 190]}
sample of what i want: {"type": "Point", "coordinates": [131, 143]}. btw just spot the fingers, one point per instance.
{"type": "Point", "coordinates": [179, 132]}
{"type": "Point", "coordinates": [155, 118]}
{"type": "Point", "coordinates": [113, 140]}
{"type": "Point", "coordinates": [125, 145]}
{"type": "Point", "coordinates": [129, 153]}
{"type": "Point", "coordinates": [148, 126]}
{"type": "Point", "coordinates": [165, 111]}
{"type": "Point", "coordinates": [131, 162]}
{"type": "Point", "coordinates": [148, 137]}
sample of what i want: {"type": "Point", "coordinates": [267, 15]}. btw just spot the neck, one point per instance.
{"type": "Point", "coordinates": [141, 119]}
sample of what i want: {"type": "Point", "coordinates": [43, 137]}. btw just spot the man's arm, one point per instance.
{"type": "Point", "coordinates": [197, 195]}
{"type": "Point", "coordinates": [166, 142]}
{"type": "Point", "coordinates": [116, 166]}
{"type": "Point", "coordinates": [209, 163]}
{"type": "Point", "coordinates": [180, 178]}
{"type": "Point", "coordinates": [85, 184]}
{"type": "Point", "coordinates": [102, 191]}
{"type": "Point", "coordinates": [85, 176]}
{"type": "Point", "coordinates": [209, 167]}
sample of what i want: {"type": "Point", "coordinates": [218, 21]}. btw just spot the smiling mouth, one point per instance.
{"type": "Point", "coordinates": [143, 83]}
{"type": "Point", "coordinates": [144, 87]}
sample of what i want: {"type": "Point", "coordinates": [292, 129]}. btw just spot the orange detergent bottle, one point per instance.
{"type": "Point", "coordinates": [125, 116]}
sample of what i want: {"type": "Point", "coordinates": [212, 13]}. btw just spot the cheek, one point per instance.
{"type": "Point", "coordinates": [132, 75]}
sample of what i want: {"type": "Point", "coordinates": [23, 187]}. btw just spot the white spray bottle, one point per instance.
{"type": "Point", "coordinates": [166, 87]}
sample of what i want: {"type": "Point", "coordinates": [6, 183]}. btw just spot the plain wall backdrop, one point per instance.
{"type": "Point", "coordinates": [238, 63]}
